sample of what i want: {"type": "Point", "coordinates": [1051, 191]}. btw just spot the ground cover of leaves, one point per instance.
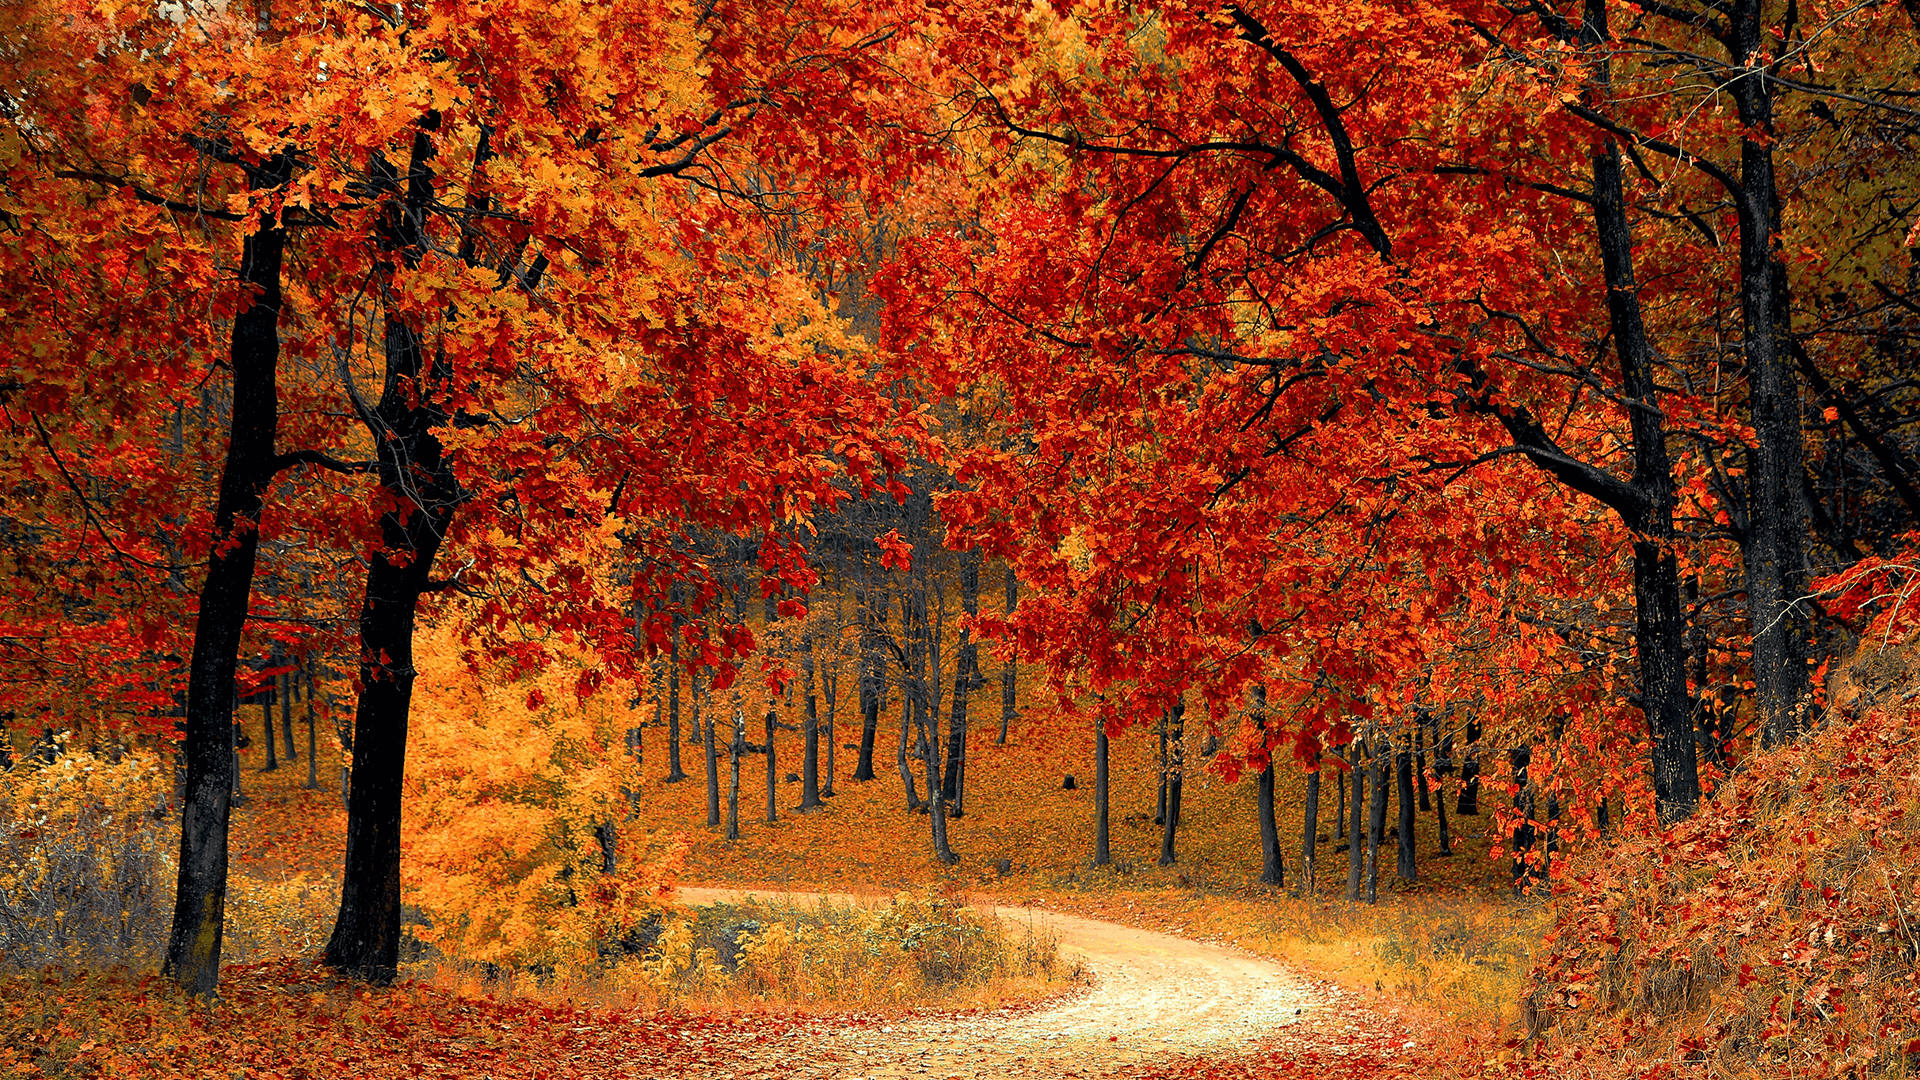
{"type": "Point", "coordinates": [291, 1019]}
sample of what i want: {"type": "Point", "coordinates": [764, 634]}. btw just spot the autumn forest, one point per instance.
{"type": "Point", "coordinates": [642, 538]}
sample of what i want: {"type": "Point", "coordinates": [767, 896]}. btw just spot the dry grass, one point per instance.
{"type": "Point", "coordinates": [85, 861]}
{"type": "Point", "coordinates": [1462, 957]}
{"type": "Point", "coordinates": [1774, 932]}
{"type": "Point", "coordinates": [917, 949]}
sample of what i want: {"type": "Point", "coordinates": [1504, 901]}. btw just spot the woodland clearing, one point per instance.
{"type": "Point", "coordinates": [1407, 509]}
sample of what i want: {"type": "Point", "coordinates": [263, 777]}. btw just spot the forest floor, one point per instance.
{"type": "Point", "coordinates": [1196, 972]}
{"type": "Point", "coordinates": [1158, 1005]}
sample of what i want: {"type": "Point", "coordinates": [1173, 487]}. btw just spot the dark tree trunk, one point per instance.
{"type": "Point", "coordinates": [675, 773]}
{"type": "Point", "coordinates": [1177, 745]}
{"type": "Point", "coordinates": [607, 835]}
{"type": "Point", "coordinates": [1160, 808]}
{"type": "Point", "coordinates": [929, 717]}
{"type": "Point", "coordinates": [1420, 761]}
{"type": "Point", "coordinates": [313, 733]}
{"type": "Point", "coordinates": [735, 749]}
{"type": "Point", "coordinates": [713, 762]}
{"type": "Point", "coordinates": [419, 487]}
{"type": "Point", "coordinates": [810, 733]}
{"type": "Point", "coordinates": [266, 717]}
{"type": "Point", "coordinates": [1523, 834]}
{"type": "Point", "coordinates": [966, 674]}
{"type": "Point", "coordinates": [1340, 804]}
{"type": "Point", "coordinates": [200, 894]}
{"type": "Point", "coordinates": [1354, 826]}
{"type": "Point", "coordinates": [1469, 801]}
{"type": "Point", "coordinates": [1376, 816]}
{"type": "Point", "coordinates": [1271, 870]}
{"type": "Point", "coordinates": [773, 771]}
{"type": "Point", "coordinates": [1309, 832]}
{"type": "Point", "coordinates": [1405, 867]}
{"type": "Point", "coordinates": [1776, 567]}
{"type": "Point", "coordinates": [1646, 503]}
{"type": "Point", "coordinates": [1007, 675]}
{"type": "Point", "coordinates": [286, 715]}
{"type": "Point", "coordinates": [869, 683]}
{"type": "Point", "coordinates": [830, 682]}
{"type": "Point", "coordinates": [1659, 621]}
{"type": "Point", "coordinates": [1102, 855]}
{"type": "Point", "coordinates": [907, 780]}
{"type": "Point", "coordinates": [913, 631]}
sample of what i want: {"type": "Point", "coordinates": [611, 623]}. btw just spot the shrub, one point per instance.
{"type": "Point", "coordinates": [1777, 931]}
{"type": "Point", "coordinates": [85, 874]}
{"type": "Point", "coordinates": [517, 790]}
{"type": "Point", "coordinates": [916, 948]}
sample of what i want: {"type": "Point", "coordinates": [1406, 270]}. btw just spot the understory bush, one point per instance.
{"type": "Point", "coordinates": [1774, 933]}
{"type": "Point", "coordinates": [85, 871]}
{"type": "Point", "coordinates": [919, 946]}
{"type": "Point", "coordinates": [916, 948]}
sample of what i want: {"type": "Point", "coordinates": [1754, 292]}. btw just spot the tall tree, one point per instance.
{"type": "Point", "coordinates": [199, 911]}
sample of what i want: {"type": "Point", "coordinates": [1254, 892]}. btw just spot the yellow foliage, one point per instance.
{"type": "Point", "coordinates": [516, 790]}
{"type": "Point", "coordinates": [920, 947]}
{"type": "Point", "coordinates": [83, 857]}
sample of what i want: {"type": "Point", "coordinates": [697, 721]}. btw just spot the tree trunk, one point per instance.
{"type": "Point", "coordinates": [713, 763]}
{"type": "Point", "coordinates": [286, 715]}
{"type": "Point", "coordinates": [1007, 675]}
{"type": "Point", "coordinates": [1405, 867]}
{"type": "Point", "coordinates": [1523, 834]}
{"type": "Point", "coordinates": [1340, 806]}
{"type": "Point", "coordinates": [1356, 832]}
{"type": "Point", "coordinates": [966, 673]}
{"type": "Point", "coordinates": [1177, 745]}
{"type": "Point", "coordinates": [313, 734]}
{"type": "Point", "coordinates": [907, 779]}
{"type": "Point", "coordinates": [1310, 832]}
{"type": "Point", "coordinates": [1160, 808]}
{"type": "Point", "coordinates": [607, 835]}
{"type": "Point", "coordinates": [200, 894]}
{"type": "Point", "coordinates": [809, 732]}
{"type": "Point", "coordinates": [1659, 621]}
{"type": "Point", "coordinates": [675, 773]}
{"type": "Point", "coordinates": [929, 717]}
{"type": "Point", "coordinates": [1469, 801]}
{"type": "Point", "coordinates": [734, 749]}
{"type": "Point", "coordinates": [1102, 855]}
{"type": "Point", "coordinates": [1271, 870]}
{"type": "Point", "coordinates": [830, 682]}
{"type": "Point", "coordinates": [1776, 566]}
{"type": "Point", "coordinates": [419, 488]}
{"type": "Point", "coordinates": [1420, 760]}
{"type": "Point", "coordinates": [1376, 816]}
{"type": "Point", "coordinates": [266, 716]}
{"type": "Point", "coordinates": [869, 683]}
{"type": "Point", "coordinates": [773, 770]}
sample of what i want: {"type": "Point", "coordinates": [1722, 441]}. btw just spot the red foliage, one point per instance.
{"type": "Point", "coordinates": [1774, 930]}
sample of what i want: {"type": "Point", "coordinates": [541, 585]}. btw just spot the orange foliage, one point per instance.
{"type": "Point", "coordinates": [291, 1018]}
{"type": "Point", "coordinates": [1772, 933]}
{"type": "Point", "coordinates": [509, 782]}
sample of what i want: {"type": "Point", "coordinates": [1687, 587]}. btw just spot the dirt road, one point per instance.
{"type": "Point", "coordinates": [1155, 997]}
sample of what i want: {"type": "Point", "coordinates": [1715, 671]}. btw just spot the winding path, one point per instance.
{"type": "Point", "coordinates": [1155, 997]}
